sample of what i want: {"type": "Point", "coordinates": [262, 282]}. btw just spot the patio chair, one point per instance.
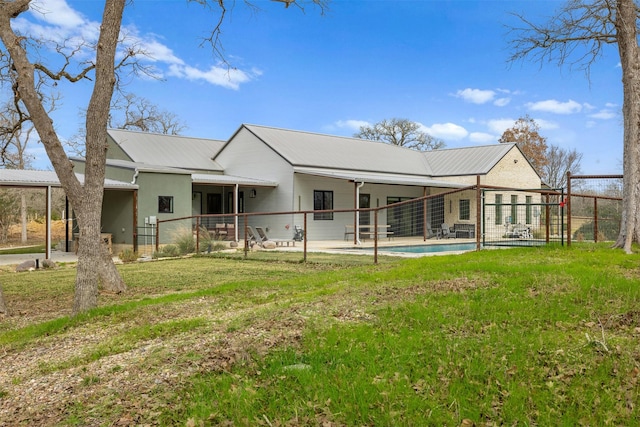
{"type": "Point", "coordinates": [447, 232]}
{"type": "Point", "coordinates": [252, 237]}
{"type": "Point", "coordinates": [220, 231]}
{"type": "Point", "coordinates": [430, 233]}
{"type": "Point", "coordinates": [278, 242]}
{"type": "Point", "coordinates": [231, 231]}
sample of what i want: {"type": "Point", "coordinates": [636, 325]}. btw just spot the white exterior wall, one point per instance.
{"type": "Point", "coordinates": [247, 156]}
{"type": "Point", "coordinates": [343, 198]}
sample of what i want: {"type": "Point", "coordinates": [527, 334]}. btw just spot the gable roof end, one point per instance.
{"type": "Point", "coordinates": [467, 160]}
{"type": "Point", "coordinates": [306, 149]}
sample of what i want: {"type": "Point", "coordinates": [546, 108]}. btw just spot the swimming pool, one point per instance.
{"type": "Point", "coordinates": [423, 249]}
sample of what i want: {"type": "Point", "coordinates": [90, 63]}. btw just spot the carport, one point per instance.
{"type": "Point", "coordinates": [46, 180]}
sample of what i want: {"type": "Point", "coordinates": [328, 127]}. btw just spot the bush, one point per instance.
{"type": "Point", "coordinates": [183, 238]}
{"type": "Point", "coordinates": [168, 251]}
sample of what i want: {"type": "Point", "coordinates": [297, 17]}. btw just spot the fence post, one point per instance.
{"type": "Point", "coordinates": [375, 236]}
{"type": "Point", "coordinates": [304, 236]}
{"type": "Point", "coordinates": [478, 213]}
{"type": "Point", "coordinates": [197, 234]}
{"type": "Point", "coordinates": [246, 242]}
{"type": "Point", "coordinates": [568, 208]}
{"type": "Point", "coordinates": [595, 219]}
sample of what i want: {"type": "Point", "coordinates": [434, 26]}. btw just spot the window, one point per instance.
{"type": "Point", "coordinates": [498, 209]}
{"type": "Point", "coordinates": [528, 211]}
{"type": "Point", "coordinates": [165, 204]}
{"type": "Point", "coordinates": [514, 209]}
{"type": "Point", "coordinates": [464, 211]}
{"type": "Point", "coordinates": [322, 201]}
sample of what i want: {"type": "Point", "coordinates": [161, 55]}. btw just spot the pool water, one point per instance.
{"type": "Point", "coordinates": [424, 249]}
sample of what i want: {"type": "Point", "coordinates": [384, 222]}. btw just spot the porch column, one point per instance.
{"type": "Point", "coordinates": [236, 201]}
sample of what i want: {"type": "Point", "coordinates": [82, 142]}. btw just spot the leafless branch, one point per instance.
{"type": "Point", "coordinates": [574, 36]}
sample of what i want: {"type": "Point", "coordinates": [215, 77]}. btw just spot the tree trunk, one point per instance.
{"type": "Point", "coordinates": [628, 50]}
{"type": "Point", "coordinates": [86, 198]}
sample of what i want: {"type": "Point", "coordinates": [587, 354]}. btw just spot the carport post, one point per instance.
{"type": "Point", "coordinates": [47, 253]}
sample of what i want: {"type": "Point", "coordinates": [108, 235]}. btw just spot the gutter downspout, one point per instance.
{"type": "Point", "coordinates": [357, 225]}
{"type": "Point", "coordinates": [135, 176]}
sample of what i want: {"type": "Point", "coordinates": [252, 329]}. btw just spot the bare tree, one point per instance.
{"type": "Point", "coordinates": [140, 114]}
{"type": "Point", "coordinates": [576, 36]}
{"type": "Point", "coordinates": [133, 113]}
{"type": "Point", "coordinates": [400, 132]}
{"type": "Point", "coordinates": [559, 162]}
{"type": "Point", "coordinates": [526, 133]}
{"type": "Point", "coordinates": [94, 262]}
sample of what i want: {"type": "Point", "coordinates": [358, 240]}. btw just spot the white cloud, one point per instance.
{"type": "Point", "coordinates": [219, 76]}
{"type": "Point", "coordinates": [57, 13]}
{"type": "Point", "coordinates": [446, 131]}
{"type": "Point", "coordinates": [476, 96]}
{"type": "Point", "coordinates": [546, 124]}
{"type": "Point", "coordinates": [611, 105]}
{"type": "Point", "coordinates": [482, 137]}
{"type": "Point", "coordinates": [498, 126]}
{"type": "Point", "coordinates": [603, 115]}
{"type": "Point", "coordinates": [351, 124]}
{"type": "Point", "coordinates": [57, 23]}
{"type": "Point", "coordinates": [501, 102]}
{"type": "Point", "coordinates": [557, 107]}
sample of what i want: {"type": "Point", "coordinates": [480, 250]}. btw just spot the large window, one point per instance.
{"type": "Point", "coordinates": [514, 209]}
{"type": "Point", "coordinates": [165, 204]}
{"type": "Point", "coordinates": [465, 210]}
{"type": "Point", "coordinates": [322, 201]}
{"type": "Point", "coordinates": [498, 209]}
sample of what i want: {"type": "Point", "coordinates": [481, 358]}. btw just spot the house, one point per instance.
{"type": "Point", "coordinates": [265, 169]}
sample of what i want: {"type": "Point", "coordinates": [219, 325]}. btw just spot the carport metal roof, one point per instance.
{"type": "Point", "coordinates": [18, 178]}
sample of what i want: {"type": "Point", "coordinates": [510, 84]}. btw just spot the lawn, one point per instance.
{"type": "Point", "coordinates": [530, 336]}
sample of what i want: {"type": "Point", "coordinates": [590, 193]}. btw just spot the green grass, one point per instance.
{"type": "Point", "coordinates": [530, 336]}
{"type": "Point", "coordinates": [23, 250]}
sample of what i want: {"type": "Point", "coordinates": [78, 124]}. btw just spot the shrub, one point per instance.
{"type": "Point", "coordinates": [168, 251]}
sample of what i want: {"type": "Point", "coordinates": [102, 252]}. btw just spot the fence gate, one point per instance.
{"type": "Point", "coordinates": [522, 217]}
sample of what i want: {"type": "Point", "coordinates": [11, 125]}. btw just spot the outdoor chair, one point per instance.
{"type": "Point", "coordinates": [220, 231]}
{"type": "Point", "coordinates": [447, 233]}
{"type": "Point", "coordinates": [430, 233]}
{"type": "Point", "coordinates": [278, 242]}
{"type": "Point", "coordinates": [252, 237]}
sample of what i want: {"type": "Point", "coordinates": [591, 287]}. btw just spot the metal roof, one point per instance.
{"type": "Point", "coordinates": [35, 178]}
{"type": "Point", "coordinates": [378, 178]}
{"type": "Point", "coordinates": [230, 180]}
{"type": "Point", "coordinates": [169, 150]}
{"type": "Point", "coordinates": [337, 152]}
{"type": "Point", "coordinates": [467, 160]}
{"type": "Point", "coordinates": [141, 167]}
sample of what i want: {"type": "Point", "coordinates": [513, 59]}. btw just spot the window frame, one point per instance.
{"type": "Point", "coordinates": [165, 204]}
{"type": "Point", "coordinates": [320, 202]}
{"type": "Point", "coordinates": [499, 213]}
{"type": "Point", "coordinates": [466, 210]}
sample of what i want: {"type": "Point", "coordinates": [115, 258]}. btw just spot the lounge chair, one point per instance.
{"type": "Point", "coordinates": [447, 233]}
{"type": "Point", "coordinates": [251, 236]}
{"type": "Point", "coordinates": [278, 242]}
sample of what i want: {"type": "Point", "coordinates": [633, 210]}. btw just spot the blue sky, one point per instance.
{"type": "Point", "coordinates": [440, 63]}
